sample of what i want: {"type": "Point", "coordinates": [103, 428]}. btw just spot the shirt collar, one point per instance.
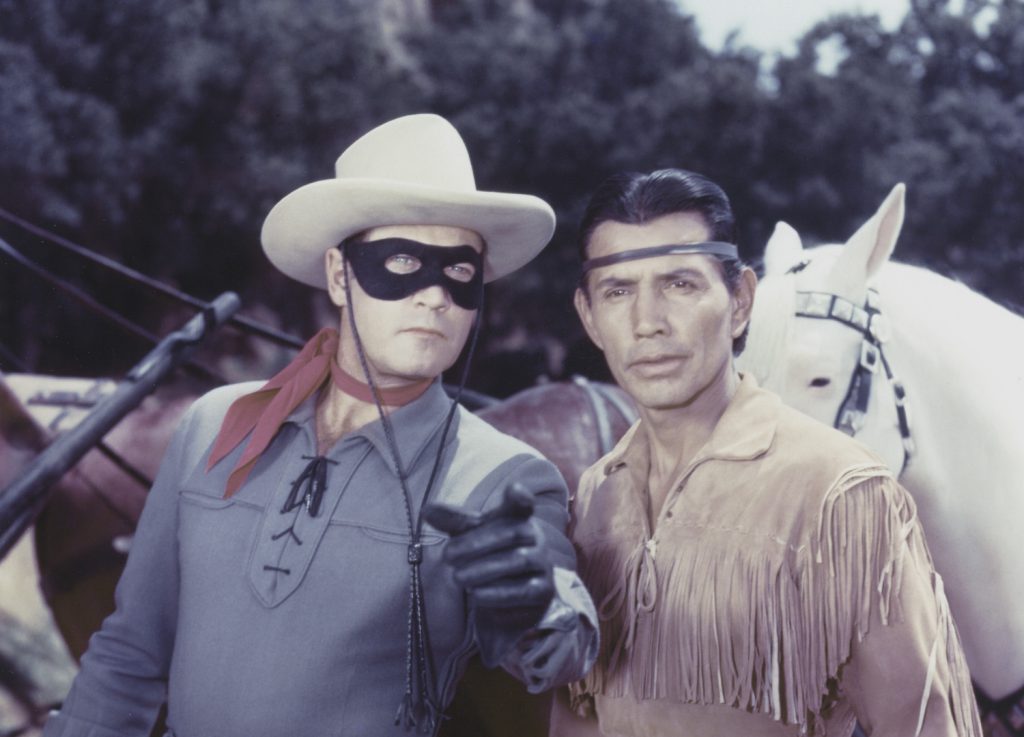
{"type": "Point", "coordinates": [413, 426]}
{"type": "Point", "coordinates": [744, 431]}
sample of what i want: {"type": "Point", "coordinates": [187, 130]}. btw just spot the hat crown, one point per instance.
{"type": "Point", "coordinates": [423, 150]}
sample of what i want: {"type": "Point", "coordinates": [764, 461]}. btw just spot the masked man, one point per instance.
{"type": "Point", "coordinates": [756, 573]}
{"type": "Point", "coordinates": [284, 578]}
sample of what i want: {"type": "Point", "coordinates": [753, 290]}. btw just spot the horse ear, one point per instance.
{"type": "Point", "coordinates": [784, 249]}
{"type": "Point", "coordinates": [871, 246]}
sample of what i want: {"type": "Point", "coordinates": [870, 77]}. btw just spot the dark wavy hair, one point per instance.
{"type": "Point", "coordinates": [634, 198]}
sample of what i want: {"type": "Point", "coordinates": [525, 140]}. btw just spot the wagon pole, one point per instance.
{"type": "Point", "coordinates": [23, 499]}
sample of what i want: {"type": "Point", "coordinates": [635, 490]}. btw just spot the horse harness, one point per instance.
{"type": "Point", "coordinates": [874, 329]}
{"type": "Point", "coordinates": [599, 397]}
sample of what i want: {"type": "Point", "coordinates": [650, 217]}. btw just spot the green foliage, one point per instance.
{"type": "Point", "coordinates": [161, 132]}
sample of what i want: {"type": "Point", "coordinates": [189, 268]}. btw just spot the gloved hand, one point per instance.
{"type": "Point", "coordinates": [502, 559]}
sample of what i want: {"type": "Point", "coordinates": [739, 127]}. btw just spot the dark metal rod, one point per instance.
{"type": "Point", "coordinates": [24, 498]}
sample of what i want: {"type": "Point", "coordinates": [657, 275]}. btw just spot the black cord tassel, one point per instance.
{"type": "Point", "coordinates": [419, 708]}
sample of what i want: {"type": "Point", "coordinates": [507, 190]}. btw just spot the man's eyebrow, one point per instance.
{"type": "Point", "coordinates": [682, 271]}
{"type": "Point", "coordinates": [614, 281]}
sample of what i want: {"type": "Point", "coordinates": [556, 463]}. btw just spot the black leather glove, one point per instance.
{"type": "Point", "coordinates": [502, 558]}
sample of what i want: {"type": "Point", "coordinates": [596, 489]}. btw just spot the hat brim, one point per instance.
{"type": "Point", "coordinates": [320, 215]}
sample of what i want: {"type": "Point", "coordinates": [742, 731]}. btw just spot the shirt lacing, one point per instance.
{"type": "Point", "coordinates": [636, 592]}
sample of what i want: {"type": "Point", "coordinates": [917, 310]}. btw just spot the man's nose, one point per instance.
{"type": "Point", "coordinates": [434, 297]}
{"type": "Point", "coordinates": [649, 314]}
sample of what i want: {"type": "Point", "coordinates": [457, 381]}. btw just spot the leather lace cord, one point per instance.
{"type": "Point", "coordinates": [420, 708]}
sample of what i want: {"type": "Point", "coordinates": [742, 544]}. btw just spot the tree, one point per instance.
{"type": "Point", "coordinates": [162, 132]}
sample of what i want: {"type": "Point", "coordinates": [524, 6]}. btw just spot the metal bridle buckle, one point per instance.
{"type": "Point", "coordinates": [869, 356]}
{"type": "Point", "coordinates": [898, 391]}
{"type": "Point", "coordinates": [850, 421]}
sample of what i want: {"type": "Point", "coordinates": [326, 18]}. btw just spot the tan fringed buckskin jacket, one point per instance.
{"type": "Point", "coordinates": [786, 589]}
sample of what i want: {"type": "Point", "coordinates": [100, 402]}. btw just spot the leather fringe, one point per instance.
{"type": "Point", "coordinates": [764, 633]}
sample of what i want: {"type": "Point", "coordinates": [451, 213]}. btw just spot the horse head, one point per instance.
{"type": "Point", "coordinates": [818, 331]}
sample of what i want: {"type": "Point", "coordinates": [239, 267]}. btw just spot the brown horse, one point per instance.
{"type": "Point", "coordinates": [84, 531]}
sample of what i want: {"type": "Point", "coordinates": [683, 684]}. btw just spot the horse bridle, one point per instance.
{"type": "Point", "coordinates": [874, 329]}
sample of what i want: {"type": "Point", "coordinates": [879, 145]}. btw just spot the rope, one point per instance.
{"type": "Point", "coordinates": [243, 323]}
{"type": "Point", "coordinates": [90, 303]}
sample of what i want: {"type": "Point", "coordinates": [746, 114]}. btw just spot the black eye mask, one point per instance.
{"type": "Point", "coordinates": [369, 262]}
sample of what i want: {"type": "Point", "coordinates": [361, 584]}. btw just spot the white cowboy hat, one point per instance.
{"type": "Point", "coordinates": [413, 170]}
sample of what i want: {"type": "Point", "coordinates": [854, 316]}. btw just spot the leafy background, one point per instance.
{"type": "Point", "coordinates": [159, 134]}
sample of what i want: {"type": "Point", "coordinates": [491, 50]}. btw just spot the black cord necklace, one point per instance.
{"type": "Point", "coordinates": [420, 708]}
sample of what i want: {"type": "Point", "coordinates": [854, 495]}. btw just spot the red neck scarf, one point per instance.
{"type": "Point", "coordinates": [263, 411]}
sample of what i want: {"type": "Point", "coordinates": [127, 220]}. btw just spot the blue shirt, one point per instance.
{"type": "Point", "coordinates": [252, 621]}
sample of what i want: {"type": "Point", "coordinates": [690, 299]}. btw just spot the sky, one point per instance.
{"type": "Point", "coordinates": [773, 26]}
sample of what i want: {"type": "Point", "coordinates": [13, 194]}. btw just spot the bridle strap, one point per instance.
{"type": "Point", "coordinates": [874, 329]}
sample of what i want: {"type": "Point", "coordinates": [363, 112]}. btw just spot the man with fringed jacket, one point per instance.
{"type": "Point", "coordinates": [756, 572]}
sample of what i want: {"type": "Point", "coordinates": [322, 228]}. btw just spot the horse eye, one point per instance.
{"type": "Point", "coordinates": [820, 381]}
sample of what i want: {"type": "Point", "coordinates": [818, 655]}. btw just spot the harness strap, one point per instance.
{"type": "Point", "coordinates": [874, 328]}
{"type": "Point", "coordinates": [599, 397]}
{"type": "Point", "coordinates": [900, 394]}
{"type": "Point", "coordinates": [624, 407]}
{"type": "Point", "coordinates": [600, 412]}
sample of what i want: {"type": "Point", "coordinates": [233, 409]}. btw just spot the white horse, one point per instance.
{"type": "Point", "coordinates": [960, 360]}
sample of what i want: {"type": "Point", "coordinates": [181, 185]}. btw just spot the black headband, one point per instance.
{"type": "Point", "coordinates": [712, 248]}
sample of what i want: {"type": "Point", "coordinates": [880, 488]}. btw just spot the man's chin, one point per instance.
{"type": "Point", "coordinates": [657, 395]}
{"type": "Point", "coordinates": [418, 368]}
{"type": "Point", "coordinates": [415, 376]}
